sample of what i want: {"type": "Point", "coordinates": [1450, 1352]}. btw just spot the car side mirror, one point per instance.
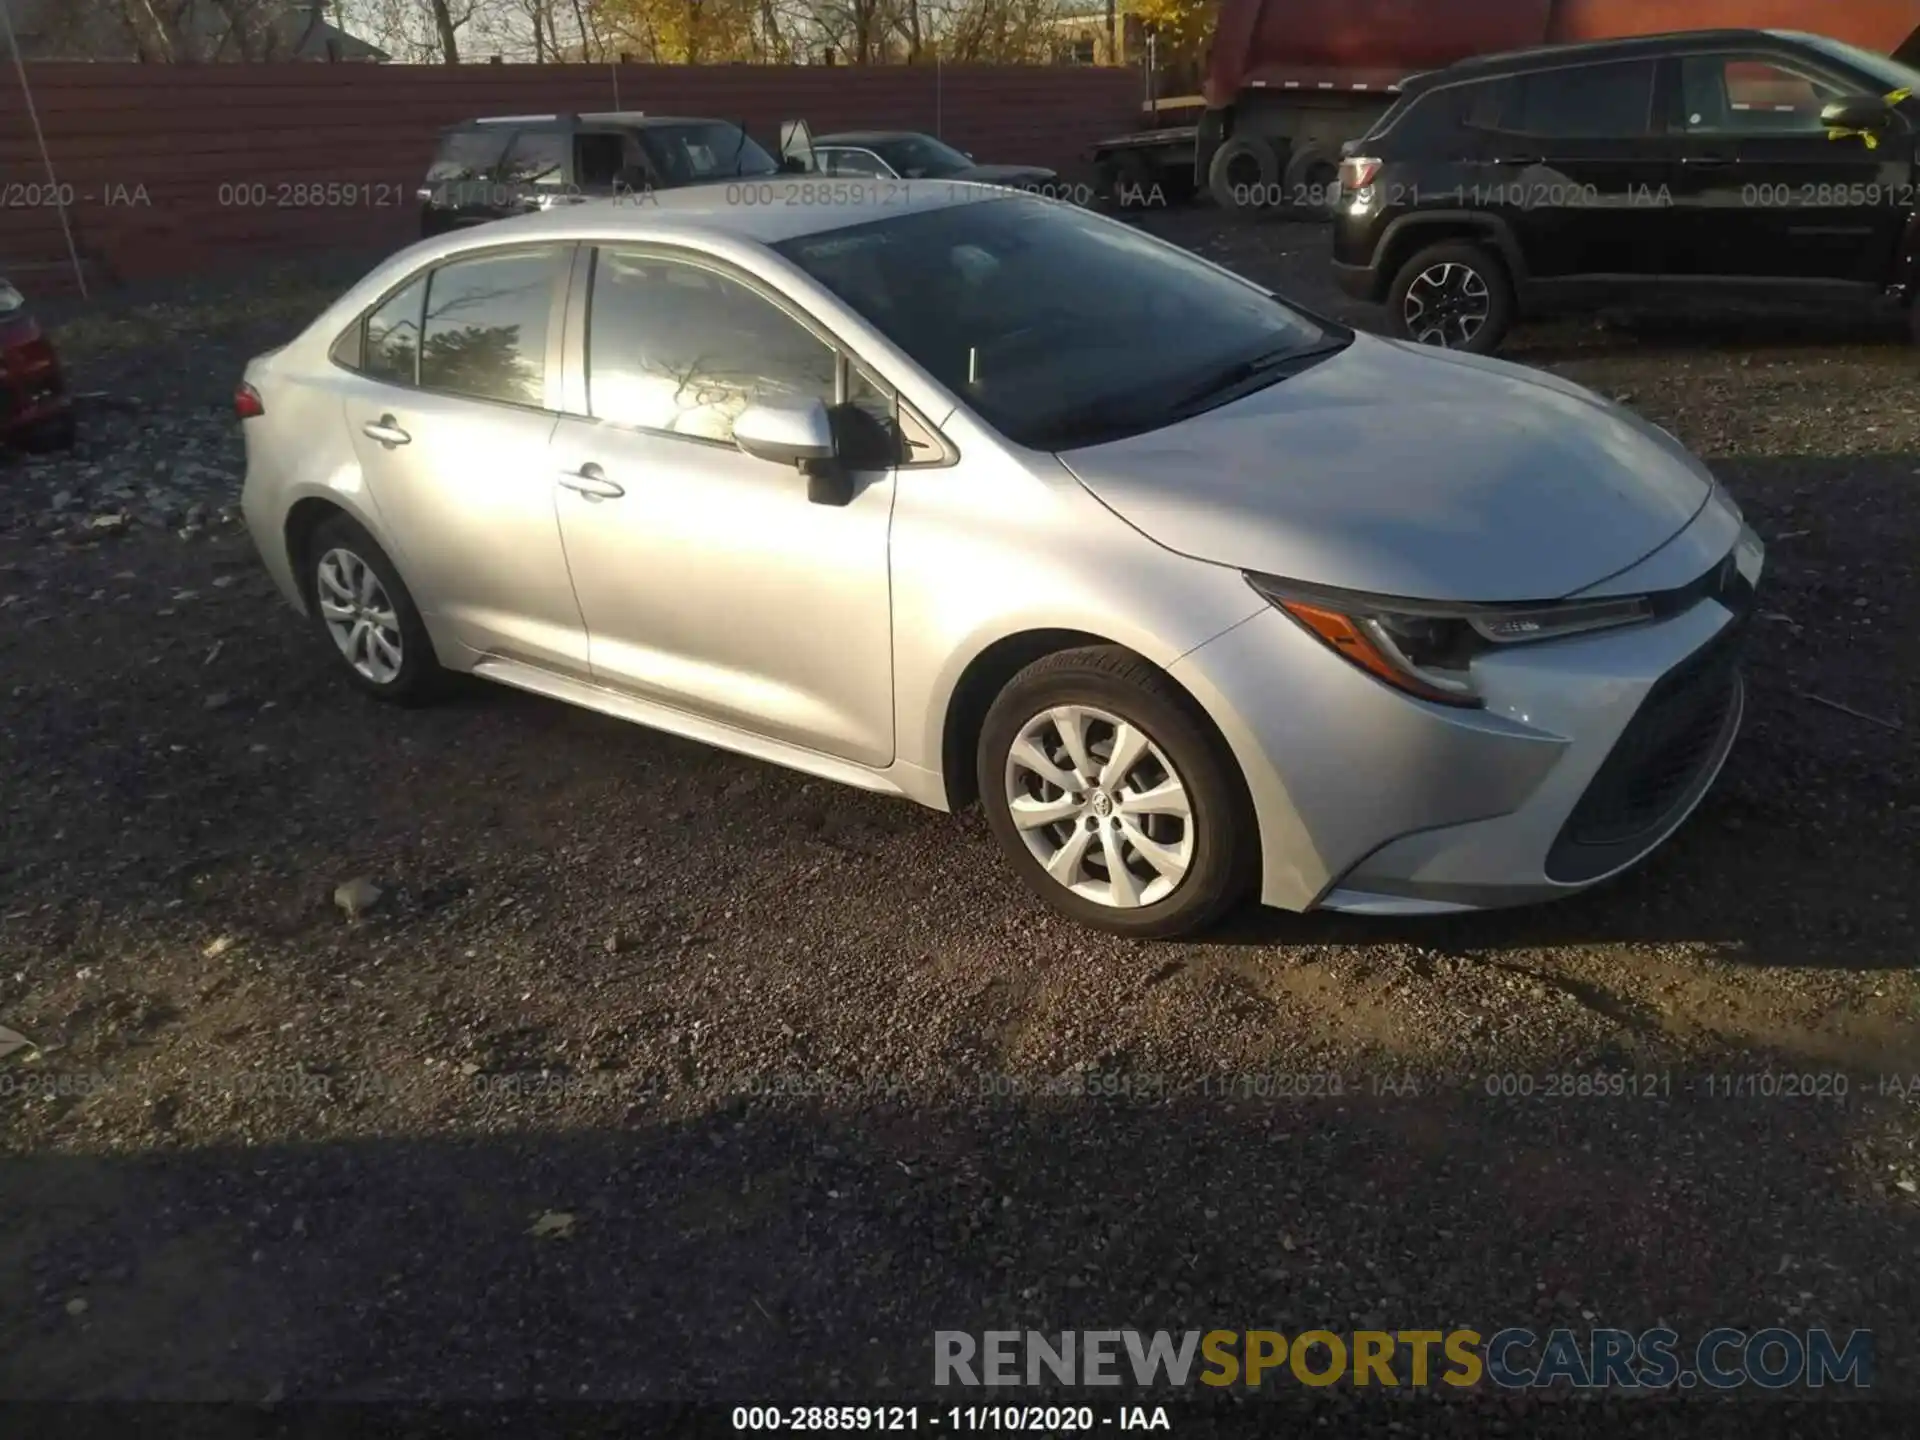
{"type": "Point", "coordinates": [797, 433]}
{"type": "Point", "coordinates": [1858, 112]}
{"type": "Point", "coordinates": [793, 165]}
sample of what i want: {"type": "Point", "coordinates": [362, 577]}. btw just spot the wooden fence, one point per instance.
{"type": "Point", "coordinates": [171, 171]}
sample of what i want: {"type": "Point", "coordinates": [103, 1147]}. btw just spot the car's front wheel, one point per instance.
{"type": "Point", "coordinates": [1455, 295]}
{"type": "Point", "coordinates": [361, 606]}
{"type": "Point", "coordinates": [1113, 798]}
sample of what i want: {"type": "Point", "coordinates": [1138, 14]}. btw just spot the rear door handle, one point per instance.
{"type": "Point", "coordinates": [1705, 162]}
{"type": "Point", "coordinates": [387, 431]}
{"type": "Point", "coordinates": [1521, 160]}
{"type": "Point", "coordinates": [591, 481]}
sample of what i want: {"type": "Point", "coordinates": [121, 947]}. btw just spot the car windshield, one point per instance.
{"type": "Point", "coordinates": [705, 150]}
{"type": "Point", "coordinates": [1884, 69]}
{"type": "Point", "coordinates": [921, 157]}
{"type": "Point", "coordinates": [1059, 327]}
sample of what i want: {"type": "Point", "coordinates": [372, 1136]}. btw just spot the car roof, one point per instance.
{"type": "Point", "coordinates": [866, 137]}
{"type": "Point", "coordinates": [625, 119]}
{"type": "Point", "coordinates": [1537, 57]}
{"type": "Point", "coordinates": [766, 211]}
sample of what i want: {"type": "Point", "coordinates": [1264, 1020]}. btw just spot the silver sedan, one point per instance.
{"type": "Point", "coordinates": [960, 495]}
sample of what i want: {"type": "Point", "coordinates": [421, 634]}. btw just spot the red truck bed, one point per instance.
{"type": "Point", "coordinates": [1373, 44]}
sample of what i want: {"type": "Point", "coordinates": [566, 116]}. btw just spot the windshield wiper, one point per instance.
{"type": "Point", "coordinates": [1261, 369]}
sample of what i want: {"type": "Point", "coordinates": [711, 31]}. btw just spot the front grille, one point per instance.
{"type": "Point", "coordinates": [1658, 766]}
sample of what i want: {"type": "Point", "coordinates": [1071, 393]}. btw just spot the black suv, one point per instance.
{"type": "Point", "coordinates": [1587, 174]}
{"type": "Point", "coordinates": [505, 165]}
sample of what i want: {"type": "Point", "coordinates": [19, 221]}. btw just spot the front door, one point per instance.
{"type": "Point", "coordinates": [1578, 167]}
{"type": "Point", "coordinates": [1767, 194]}
{"type": "Point", "coordinates": [451, 424]}
{"type": "Point", "coordinates": [708, 580]}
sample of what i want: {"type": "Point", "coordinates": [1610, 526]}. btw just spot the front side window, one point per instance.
{"type": "Point", "coordinates": [849, 162]}
{"type": "Point", "coordinates": [1060, 328]}
{"type": "Point", "coordinates": [538, 157]}
{"type": "Point", "coordinates": [682, 349]}
{"type": "Point", "coordinates": [1613, 101]}
{"type": "Point", "coordinates": [921, 157]}
{"type": "Point", "coordinates": [1882, 71]}
{"type": "Point", "coordinates": [705, 150]}
{"type": "Point", "coordinates": [484, 334]}
{"type": "Point", "coordinates": [1732, 95]}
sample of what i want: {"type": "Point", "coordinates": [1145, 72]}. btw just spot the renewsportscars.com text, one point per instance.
{"type": "Point", "coordinates": [1511, 1358]}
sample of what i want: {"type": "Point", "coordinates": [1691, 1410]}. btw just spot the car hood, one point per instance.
{"type": "Point", "coordinates": [1408, 471]}
{"type": "Point", "coordinates": [1003, 174]}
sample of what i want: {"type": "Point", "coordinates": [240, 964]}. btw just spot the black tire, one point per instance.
{"type": "Point", "coordinates": [47, 436]}
{"type": "Point", "coordinates": [1119, 683]}
{"type": "Point", "coordinates": [1245, 169]}
{"type": "Point", "coordinates": [1313, 178]}
{"type": "Point", "coordinates": [420, 677]}
{"type": "Point", "coordinates": [1489, 276]}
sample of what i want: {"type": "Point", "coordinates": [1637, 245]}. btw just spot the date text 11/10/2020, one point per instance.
{"type": "Point", "coordinates": [1030, 1419]}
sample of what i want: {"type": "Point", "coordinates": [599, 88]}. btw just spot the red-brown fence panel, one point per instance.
{"type": "Point", "coordinates": [170, 170]}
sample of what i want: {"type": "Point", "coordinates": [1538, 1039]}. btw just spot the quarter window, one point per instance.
{"type": "Point", "coordinates": [1613, 101]}
{"type": "Point", "coordinates": [683, 349]}
{"type": "Point", "coordinates": [485, 330]}
{"type": "Point", "coordinates": [391, 351]}
{"type": "Point", "coordinates": [1729, 95]}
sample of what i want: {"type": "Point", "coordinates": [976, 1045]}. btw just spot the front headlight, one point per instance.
{"type": "Point", "coordinates": [10, 299]}
{"type": "Point", "coordinates": [1427, 648]}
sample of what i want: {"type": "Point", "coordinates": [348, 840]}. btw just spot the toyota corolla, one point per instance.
{"type": "Point", "coordinates": [958, 495]}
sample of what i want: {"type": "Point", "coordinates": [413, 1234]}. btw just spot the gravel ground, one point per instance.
{"type": "Point", "coordinates": [658, 1073]}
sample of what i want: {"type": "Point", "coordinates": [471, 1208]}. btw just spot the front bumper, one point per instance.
{"type": "Point", "coordinates": [1589, 754]}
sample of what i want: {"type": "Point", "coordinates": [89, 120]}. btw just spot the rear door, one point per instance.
{"type": "Point", "coordinates": [1765, 193]}
{"type": "Point", "coordinates": [1578, 166]}
{"type": "Point", "coordinates": [452, 405]}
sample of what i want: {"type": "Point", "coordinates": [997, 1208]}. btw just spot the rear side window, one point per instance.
{"type": "Point", "coordinates": [467, 155]}
{"type": "Point", "coordinates": [485, 331]}
{"type": "Point", "coordinates": [1613, 101]}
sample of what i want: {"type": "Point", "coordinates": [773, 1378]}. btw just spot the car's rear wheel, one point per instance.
{"type": "Point", "coordinates": [1455, 295]}
{"type": "Point", "coordinates": [364, 610]}
{"type": "Point", "coordinates": [1244, 176]}
{"type": "Point", "coordinates": [1113, 798]}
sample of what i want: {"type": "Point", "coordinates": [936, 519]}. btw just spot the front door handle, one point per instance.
{"type": "Point", "coordinates": [1521, 160]}
{"type": "Point", "coordinates": [387, 431]}
{"type": "Point", "coordinates": [591, 481]}
{"type": "Point", "coordinates": [1705, 162]}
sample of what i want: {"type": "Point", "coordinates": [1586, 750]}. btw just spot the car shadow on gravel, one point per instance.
{"type": "Point", "coordinates": [755, 1253]}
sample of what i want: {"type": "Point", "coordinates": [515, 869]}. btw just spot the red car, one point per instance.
{"type": "Point", "coordinates": [35, 413]}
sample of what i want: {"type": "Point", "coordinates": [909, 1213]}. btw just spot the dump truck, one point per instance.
{"type": "Point", "coordinates": [1289, 81]}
